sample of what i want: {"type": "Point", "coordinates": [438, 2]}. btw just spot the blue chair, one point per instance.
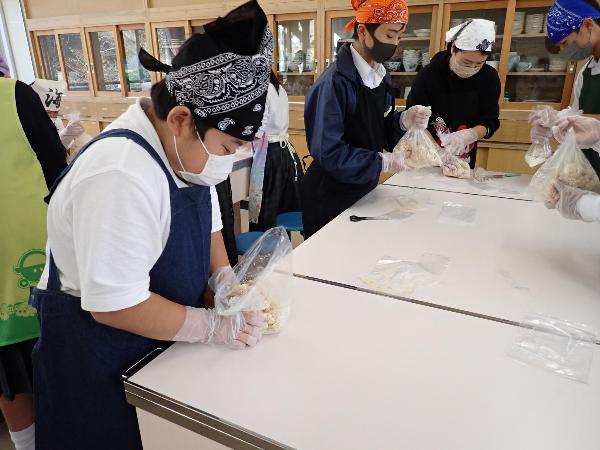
{"type": "Point", "coordinates": [291, 221]}
{"type": "Point", "coordinates": [244, 241]}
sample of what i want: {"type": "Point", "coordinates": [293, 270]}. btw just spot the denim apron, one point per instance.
{"type": "Point", "coordinates": [79, 397]}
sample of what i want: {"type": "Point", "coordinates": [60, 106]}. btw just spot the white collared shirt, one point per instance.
{"type": "Point", "coordinates": [372, 76]}
{"type": "Point", "coordinates": [110, 218]}
{"type": "Point", "coordinates": [592, 64]}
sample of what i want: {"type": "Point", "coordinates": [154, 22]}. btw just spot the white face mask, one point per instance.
{"type": "Point", "coordinates": [463, 71]}
{"type": "Point", "coordinates": [216, 169]}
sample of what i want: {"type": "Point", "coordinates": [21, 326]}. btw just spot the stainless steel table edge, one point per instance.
{"type": "Point", "coordinates": [193, 419]}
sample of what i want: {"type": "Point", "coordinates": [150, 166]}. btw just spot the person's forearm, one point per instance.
{"type": "Point", "coordinates": [218, 253]}
{"type": "Point", "coordinates": [154, 318]}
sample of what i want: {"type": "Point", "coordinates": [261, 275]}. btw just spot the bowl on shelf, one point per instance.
{"type": "Point", "coordinates": [455, 22]}
{"type": "Point", "coordinates": [557, 64]}
{"type": "Point", "coordinates": [534, 60]}
{"type": "Point", "coordinates": [410, 65]}
{"type": "Point", "coordinates": [392, 66]}
{"type": "Point", "coordinates": [423, 32]}
{"type": "Point", "coordinates": [513, 59]}
{"type": "Point", "coordinates": [425, 58]}
{"type": "Point", "coordinates": [524, 66]}
{"type": "Point", "coordinates": [494, 64]}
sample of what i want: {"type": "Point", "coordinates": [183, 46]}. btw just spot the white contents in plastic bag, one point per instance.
{"type": "Point", "coordinates": [394, 276]}
{"type": "Point", "coordinates": [419, 149]}
{"type": "Point", "coordinates": [456, 214]}
{"type": "Point", "coordinates": [264, 278]}
{"type": "Point", "coordinates": [462, 171]}
{"type": "Point", "coordinates": [560, 346]}
{"type": "Point", "coordinates": [569, 166]}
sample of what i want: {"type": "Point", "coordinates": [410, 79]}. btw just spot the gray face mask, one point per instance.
{"type": "Point", "coordinates": [574, 52]}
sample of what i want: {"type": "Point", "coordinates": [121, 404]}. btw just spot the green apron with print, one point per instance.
{"type": "Point", "coordinates": [589, 102]}
{"type": "Point", "coordinates": [22, 223]}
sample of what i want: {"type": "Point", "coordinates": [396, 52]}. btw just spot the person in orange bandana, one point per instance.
{"type": "Point", "coordinates": [350, 116]}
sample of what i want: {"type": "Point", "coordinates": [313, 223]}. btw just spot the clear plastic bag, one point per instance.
{"type": "Point", "coordinates": [397, 277]}
{"type": "Point", "coordinates": [419, 149]}
{"type": "Point", "coordinates": [560, 346]}
{"type": "Point", "coordinates": [569, 166]}
{"type": "Point", "coordinates": [539, 152]}
{"type": "Point", "coordinates": [462, 171]}
{"type": "Point", "coordinates": [263, 281]}
{"type": "Point", "coordinates": [80, 141]}
{"type": "Point", "coordinates": [456, 214]}
{"type": "Point", "coordinates": [404, 207]}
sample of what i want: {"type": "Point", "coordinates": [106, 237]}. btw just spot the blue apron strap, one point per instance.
{"type": "Point", "coordinates": [53, 278]}
{"type": "Point", "coordinates": [118, 132]}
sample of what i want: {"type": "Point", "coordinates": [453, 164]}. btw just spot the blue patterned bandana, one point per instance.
{"type": "Point", "coordinates": [566, 17]}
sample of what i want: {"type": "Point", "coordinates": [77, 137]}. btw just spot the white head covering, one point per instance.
{"type": "Point", "coordinates": [474, 34]}
{"type": "Point", "coordinates": [50, 92]}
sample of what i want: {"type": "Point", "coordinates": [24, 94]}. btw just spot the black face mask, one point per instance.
{"type": "Point", "coordinates": [380, 52]}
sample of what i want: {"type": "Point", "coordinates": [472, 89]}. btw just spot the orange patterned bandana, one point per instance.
{"type": "Point", "coordinates": [378, 11]}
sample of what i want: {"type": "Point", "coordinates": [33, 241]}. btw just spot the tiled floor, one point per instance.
{"type": "Point", "coordinates": [5, 442]}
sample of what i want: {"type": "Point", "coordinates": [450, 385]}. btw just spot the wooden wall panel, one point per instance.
{"type": "Point", "coordinates": [37, 9]}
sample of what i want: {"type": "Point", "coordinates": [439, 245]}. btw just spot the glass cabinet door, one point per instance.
{"type": "Point", "coordinates": [169, 40]}
{"type": "Point", "coordinates": [137, 78]}
{"type": "Point", "coordinates": [75, 62]}
{"type": "Point", "coordinates": [296, 55]}
{"type": "Point", "coordinates": [533, 75]}
{"type": "Point", "coordinates": [339, 35]}
{"type": "Point", "coordinates": [412, 53]}
{"type": "Point", "coordinates": [49, 57]}
{"type": "Point", "coordinates": [104, 56]}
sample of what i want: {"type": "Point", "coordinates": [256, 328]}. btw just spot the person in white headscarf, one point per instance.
{"type": "Point", "coordinates": [462, 90]}
{"type": "Point", "coordinates": [51, 93]}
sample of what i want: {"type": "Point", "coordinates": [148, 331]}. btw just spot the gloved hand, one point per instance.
{"type": "Point", "coordinates": [243, 329]}
{"type": "Point", "coordinates": [449, 161]}
{"type": "Point", "coordinates": [541, 121]}
{"type": "Point", "coordinates": [567, 203]}
{"type": "Point", "coordinates": [71, 132]}
{"type": "Point", "coordinates": [457, 143]}
{"type": "Point", "coordinates": [587, 131]}
{"type": "Point", "coordinates": [224, 277]}
{"type": "Point", "coordinates": [415, 117]}
{"type": "Point", "coordinates": [393, 163]}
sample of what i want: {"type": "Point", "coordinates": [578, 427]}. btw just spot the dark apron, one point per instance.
{"type": "Point", "coordinates": [281, 186]}
{"type": "Point", "coordinates": [323, 197]}
{"type": "Point", "coordinates": [79, 397]}
{"type": "Point", "coordinates": [589, 102]}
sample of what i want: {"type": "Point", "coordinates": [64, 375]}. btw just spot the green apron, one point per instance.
{"type": "Point", "coordinates": [589, 102]}
{"type": "Point", "coordinates": [22, 223]}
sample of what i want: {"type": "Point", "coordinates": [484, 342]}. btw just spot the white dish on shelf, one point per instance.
{"type": "Point", "coordinates": [494, 64]}
{"type": "Point", "coordinates": [537, 69]}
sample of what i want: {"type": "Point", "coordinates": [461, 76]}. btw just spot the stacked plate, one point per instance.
{"type": "Point", "coordinates": [423, 32]}
{"type": "Point", "coordinates": [557, 64]}
{"type": "Point", "coordinates": [455, 22]}
{"type": "Point", "coordinates": [534, 23]}
{"type": "Point", "coordinates": [425, 58]}
{"type": "Point", "coordinates": [411, 59]}
{"type": "Point", "coordinates": [546, 24]}
{"type": "Point", "coordinates": [519, 22]}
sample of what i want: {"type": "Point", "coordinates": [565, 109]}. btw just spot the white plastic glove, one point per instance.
{"type": "Point", "coordinates": [457, 143]}
{"type": "Point", "coordinates": [393, 163]}
{"type": "Point", "coordinates": [223, 276]}
{"type": "Point", "coordinates": [415, 117]}
{"type": "Point", "coordinates": [587, 131]}
{"type": "Point", "coordinates": [243, 329]}
{"type": "Point", "coordinates": [541, 121]}
{"type": "Point", "coordinates": [71, 132]}
{"type": "Point", "coordinates": [567, 203]}
{"type": "Point", "coordinates": [450, 162]}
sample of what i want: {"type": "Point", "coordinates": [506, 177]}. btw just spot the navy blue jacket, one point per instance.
{"type": "Point", "coordinates": [328, 103]}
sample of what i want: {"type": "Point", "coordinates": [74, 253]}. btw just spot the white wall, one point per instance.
{"type": "Point", "coordinates": [14, 41]}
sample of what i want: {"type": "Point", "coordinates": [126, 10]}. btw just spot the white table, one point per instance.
{"type": "Point", "coordinates": [432, 179]}
{"type": "Point", "coordinates": [516, 258]}
{"type": "Point", "coordinates": [358, 371]}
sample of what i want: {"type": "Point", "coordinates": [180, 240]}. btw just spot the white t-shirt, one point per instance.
{"type": "Point", "coordinates": [276, 119]}
{"type": "Point", "coordinates": [109, 219]}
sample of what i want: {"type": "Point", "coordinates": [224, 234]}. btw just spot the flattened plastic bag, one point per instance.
{"type": "Point", "coordinates": [397, 277]}
{"type": "Point", "coordinates": [559, 346]}
{"type": "Point", "coordinates": [264, 281]}
{"type": "Point", "coordinates": [419, 149]}
{"type": "Point", "coordinates": [569, 166]}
